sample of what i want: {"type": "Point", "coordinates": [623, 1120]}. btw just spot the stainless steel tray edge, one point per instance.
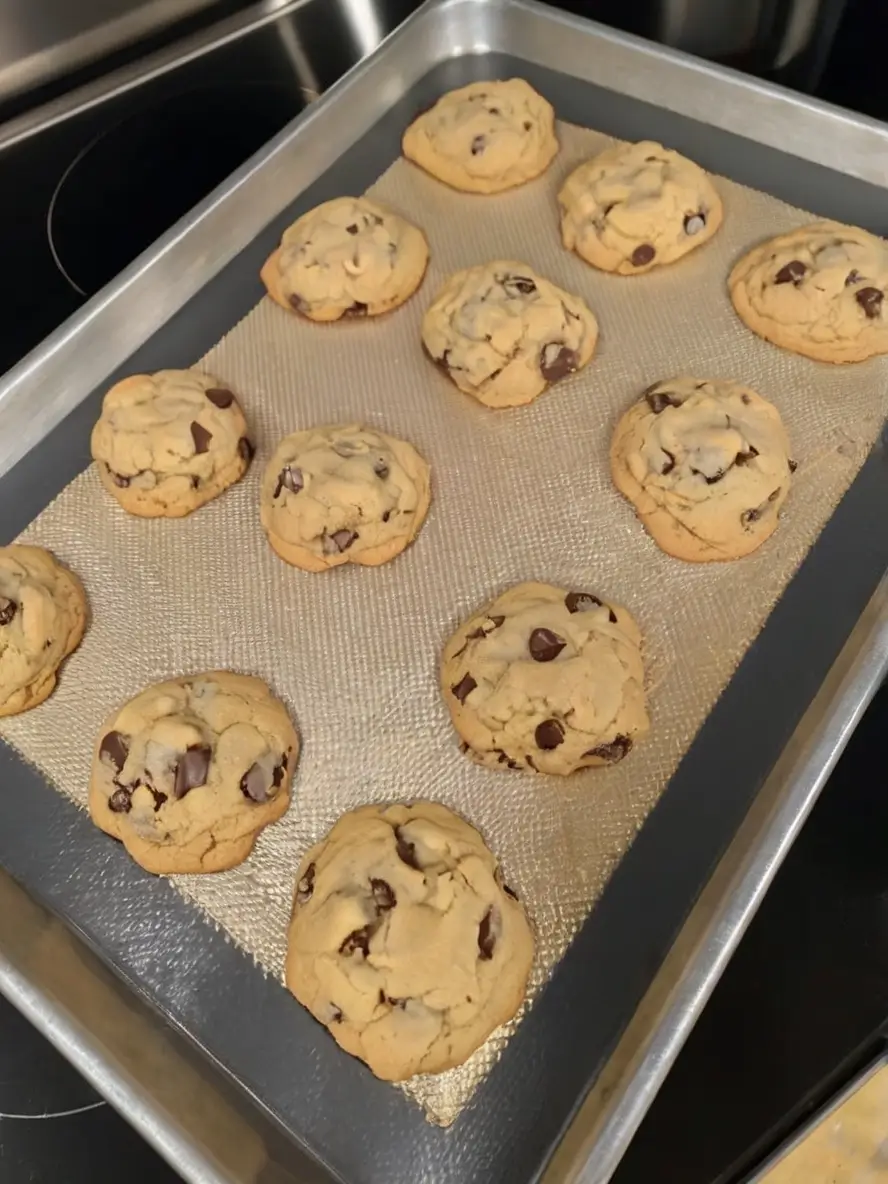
{"type": "Point", "coordinates": [38, 393]}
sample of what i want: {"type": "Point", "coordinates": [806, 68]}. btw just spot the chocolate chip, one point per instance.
{"type": "Point", "coordinates": [478, 145]}
{"type": "Point", "coordinates": [406, 850]}
{"type": "Point", "coordinates": [793, 465]}
{"type": "Point", "coordinates": [382, 998]}
{"type": "Point", "coordinates": [670, 463]}
{"type": "Point", "coordinates": [290, 479]}
{"type": "Point", "coordinates": [530, 764]}
{"type": "Point", "coordinates": [339, 540]}
{"type": "Point", "coordinates": [549, 734]}
{"type": "Point", "coordinates": [358, 939]}
{"type": "Point", "coordinates": [643, 255]}
{"type": "Point", "coordinates": [510, 892]}
{"type": "Point", "coordinates": [159, 798]}
{"type": "Point", "coordinates": [694, 223]}
{"type": "Point", "coordinates": [544, 645]}
{"type": "Point", "coordinates": [481, 631]}
{"type": "Point", "coordinates": [870, 300]}
{"type": "Point", "coordinates": [613, 752]}
{"type": "Point", "coordinates": [753, 515]}
{"type": "Point", "coordinates": [494, 110]}
{"type": "Point", "coordinates": [121, 801]}
{"type": "Point", "coordinates": [297, 303]}
{"type": "Point", "coordinates": [772, 497]}
{"type": "Point", "coordinates": [335, 1014]}
{"type": "Point", "coordinates": [381, 470]}
{"type": "Point", "coordinates": [527, 125]}
{"type": "Point", "coordinates": [584, 602]}
{"type": "Point", "coordinates": [191, 769]}
{"type": "Point", "coordinates": [743, 458]}
{"type": "Point", "coordinates": [386, 515]}
{"type": "Point", "coordinates": [659, 400]}
{"type": "Point", "coordinates": [195, 481]}
{"type": "Point", "coordinates": [486, 937]}
{"type": "Point", "coordinates": [792, 273]}
{"type": "Point", "coordinates": [464, 688]}
{"type": "Point", "coordinates": [503, 758]}
{"type": "Point", "coordinates": [119, 480]}
{"type": "Point", "coordinates": [353, 229]}
{"type": "Point", "coordinates": [8, 609]}
{"type": "Point", "coordinates": [201, 437]}
{"type": "Point", "coordinates": [557, 360]}
{"type": "Point", "coordinates": [220, 397]}
{"type": "Point", "coordinates": [358, 309]}
{"type": "Point", "coordinates": [245, 449]}
{"type": "Point", "coordinates": [518, 285]}
{"type": "Point", "coordinates": [710, 480]}
{"type": "Point", "coordinates": [383, 895]}
{"type": "Point", "coordinates": [255, 784]}
{"type": "Point", "coordinates": [114, 749]}
{"type": "Point", "coordinates": [853, 277]}
{"type": "Point", "coordinates": [745, 399]}
{"type": "Point", "coordinates": [277, 773]}
{"type": "Point", "coordinates": [305, 887]}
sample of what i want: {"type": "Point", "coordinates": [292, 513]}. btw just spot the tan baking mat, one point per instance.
{"type": "Point", "coordinates": [521, 494]}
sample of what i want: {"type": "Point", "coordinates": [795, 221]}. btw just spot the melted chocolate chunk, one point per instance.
{"type": "Point", "coordinates": [613, 752]}
{"type": "Point", "coordinates": [464, 688]}
{"type": "Point", "coordinates": [121, 801]}
{"type": "Point", "coordinates": [743, 458]}
{"type": "Point", "coordinates": [254, 784]}
{"type": "Point", "coordinates": [518, 285]}
{"type": "Point", "coordinates": [792, 273]}
{"type": "Point", "coordinates": [8, 609]}
{"type": "Point", "coordinates": [870, 300]}
{"type": "Point", "coordinates": [670, 463]}
{"type": "Point", "coordinates": [114, 749]}
{"type": "Point", "coordinates": [191, 769]}
{"type": "Point", "coordinates": [383, 895]}
{"type": "Point", "coordinates": [341, 540]}
{"type": "Point", "coordinates": [220, 397]}
{"type": "Point", "coordinates": [381, 470]}
{"type": "Point", "coordinates": [358, 939]}
{"type": "Point", "coordinates": [119, 480]}
{"type": "Point", "coordinates": [694, 223]}
{"type": "Point", "coordinates": [658, 400]}
{"type": "Point", "coordinates": [486, 937]}
{"type": "Point", "coordinates": [159, 798]}
{"type": "Point", "coordinates": [201, 437]}
{"type": "Point", "coordinates": [353, 229]}
{"type": "Point", "coordinates": [584, 602]}
{"type": "Point", "coordinates": [478, 145]}
{"type": "Point", "coordinates": [290, 479]}
{"type": "Point", "coordinates": [643, 255]}
{"type": "Point", "coordinates": [549, 734]}
{"type": "Point", "coordinates": [544, 645]}
{"type": "Point", "coordinates": [305, 887]}
{"type": "Point", "coordinates": [406, 850]}
{"type": "Point", "coordinates": [557, 360]}
{"type": "Point", "coordinates": [245, 449]}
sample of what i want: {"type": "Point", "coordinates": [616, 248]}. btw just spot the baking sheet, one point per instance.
{"type": "Point", "coordinates": [518, 494]}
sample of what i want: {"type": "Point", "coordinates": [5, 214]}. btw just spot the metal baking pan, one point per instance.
{"type": "Point", "coordinates": [212, 1061]}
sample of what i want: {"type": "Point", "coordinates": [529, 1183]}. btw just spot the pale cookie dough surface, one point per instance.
{"type": "Point", "coordinates": [503, 334]}
{"type": "Point", "coordinates": [818, 291]}
{"type": "Point", "coordinates": [635, 207]}
{"type": "Point", "coordinates": [547, 679]}
{"type": "Point", "coordinates": [43, 614]}
{"type": "Point", "coordinates": [189, 772]}
{"type": "Point", "coordinates": [343, 494]}
{"type": "Point", "coordinates": [484, 137]}
{"type": "Point", "coordinates": [405, 941]}
{"type": "Point", "coordinates": [706, 465]}
{"type": "Point", "coordinates": [169, 442]}
{"type": "Point", "coordinates": [347, 257]}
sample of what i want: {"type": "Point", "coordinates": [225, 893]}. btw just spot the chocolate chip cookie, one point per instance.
{"type": "Point", "coordinates": [189, 772]}
{"type": "Point", "coordinates": [635, 207]}
{"type": "Point", "coordinates": [169, 442]}
{"type": "Point", "coordinates": [818, 291]}
{"type": "Point", "coordinates": [348, 257]}
{"type": "Point", "coordinates": [346, 494]}
{"type": "Point", "coordinates": [548, 679]}
{"type": "Point", "coordinates": [42, 618]}
{"type": "Point", "coordinates": [503, 334]}
{"type": "Point", "coordinates": [706, 465]}
{"type": "Point", "coordinates": [485, 137]}
{"type": "Point", "coordinates": [405, 942]}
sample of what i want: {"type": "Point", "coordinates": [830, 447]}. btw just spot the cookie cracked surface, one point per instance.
{"type": "Point", "coordinates": [189, 772]}
{"type": "Point", "coordinates": [345, 494]}
{"type": "Point", "coordinates": [548, 679]}
{"type": "Point", "coordinates": [706, 465]}
{"type": "Point", "coordinates": [819, 291]}
{"type": "Point", "coordinates": [635, 207]}
{"type": "Point", "coordinates": [348, 257]}
{"type": "Point", "coordinates": [43, 611]}
{"type": "Point", "coordinates": [405, 942]}
{"type": "Point", "coordinates": [484, 137]}
{"type": "Point", "coordinates": [169, 442]}
{"type": "Point", "coordinates": [504, 334]}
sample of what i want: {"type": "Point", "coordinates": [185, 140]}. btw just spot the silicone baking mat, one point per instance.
{"type": "Point", "coordinates": [519, 494]}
